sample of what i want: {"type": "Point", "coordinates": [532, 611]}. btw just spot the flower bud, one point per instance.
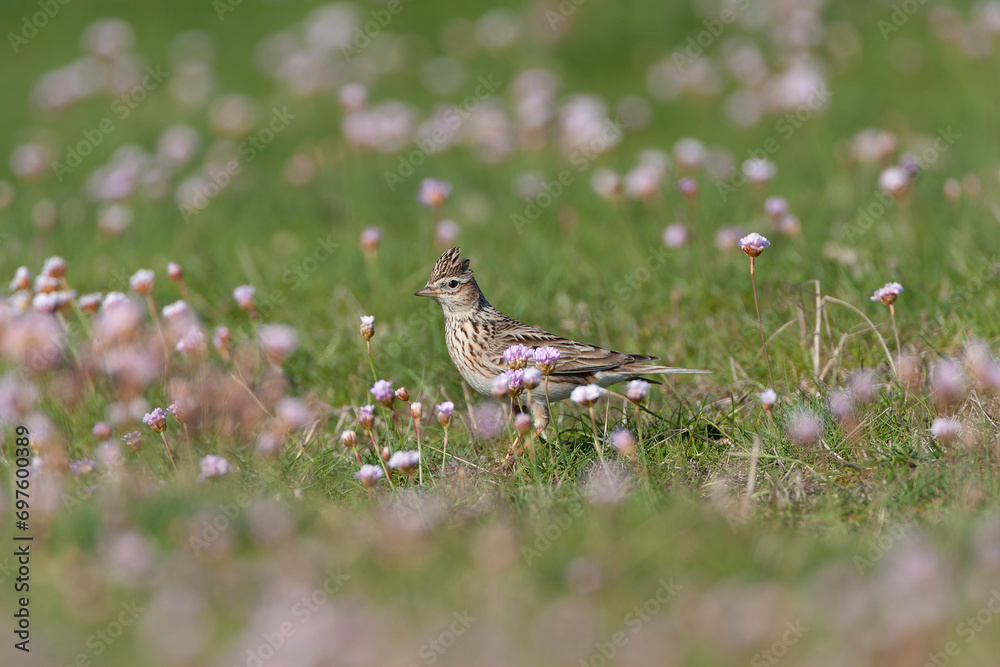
{"type": "Point", "coordinates": [367, 326]}
{"type": "Point", "coordinates": [366, 417]}
{"type": "Point", "coordinates": [532, 378]}
{"type": "Point", "coordinates": [522, 423]}
{"type": "Point", "coordinates": [243, 295]}
{"type": "Point", "coordinates": [444, 411]}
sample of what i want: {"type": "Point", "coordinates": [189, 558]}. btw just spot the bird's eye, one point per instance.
{"type": "Point", "coordinates": [453, 284]}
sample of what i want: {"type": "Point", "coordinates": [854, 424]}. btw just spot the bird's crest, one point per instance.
{"type": "Point", "coordinates": [450, 264]}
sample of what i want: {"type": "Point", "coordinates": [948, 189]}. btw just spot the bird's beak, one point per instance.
{"type": "Point", "coordinates": [425, 291]}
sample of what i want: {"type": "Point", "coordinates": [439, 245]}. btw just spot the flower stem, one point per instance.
{"type": "Point", "coordinates": [895, 330]}
{"type": "Point", "coordinates": [642, 446]}
{"type": "Point", "coordinates": [371, 365]}
{"type": "Point", "coordinates": [534, 461]}
{"type": "Point", "coordinates": [444, 449]}
{"type": "Point", "coordinates": [420, 454]}
{"type": "Point", "coordinates": [378, 455]}
{"type": "Point", "coordinates": [548, 411]}
{"type": "Point", "coordinates": [691, 203]}
{"type": "Point", "coordinates": [170, 454]}
{"type": "Point", "coordinates": [760, 324]}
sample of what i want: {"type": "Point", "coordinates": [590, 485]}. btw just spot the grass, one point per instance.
{"type": "Point", "coordinates": [873, 534]}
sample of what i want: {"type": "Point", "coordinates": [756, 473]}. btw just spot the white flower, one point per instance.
{"type": "Point", "coordinates": [873, 145]}
{"type": "Point", "coordinates": [434, 193]}
{"type": "Point", "coordinates": [22, 279]}
{"type": "Point", "coordinates": [89, 303]}
{"type": "Point", "coordinates": [944, 430]}
{"type": "Point", "coordinates": [292, 414]}
{"type": "Point", "coordinates": [277, 341]}
{"type": "Point", "coordinates": [888, 293]}
{"type": "Point", "coordinates": [177, 145]}
{"type": "Point", "coordinates": [675, 235]}
{"type": "Point", "coordinates": [768, 397]}
{"type": "Point", "coordinates": [758, 171]}
{"type": "Point", "coordinates": [175, 311]}
{"type": "Point", "coordinates": [805, 428]}
{"type": "Point", "coordinates": [243, 295]}
{"type": "Point", "coordinates": [606, 183]}
{"type": "Point", "coordinates": [948, 380]}
{"type": "Point", "coordinates": [532, 378]}
{"type": "Point", "coordinates": [637, 391]}
{"type": "Point", "coordinates": [114, 299]}
{"type": "Point", "coordinates": [45, 302]}
{"type": "Point", "coordinates": [404, 460]}
{"type": "Point", "coordinates": [352, 97]}
{"type": "Point", "coordinates": [522, 423]}
{"type": "Point", "coordinates": [370, 238]}
{"type": "Point", "coordinates": [643, 182]}
{"type": "Point", "coordinates": [213, 466]}
{"type": "Point", "coordinates": [500, 386]}
{"type": "Point", "coordinates": [444, 411]}
{"type": "Point", "coordinates": [587, 395]}
{"type": "Point", "coordinates": [841, 403]}
{"type": "Point", "coordinates": [894, 181]}
{"type": "Point", "coordinates": [54, 267]}
{"type": "Point", "coordinates": [192, 343]}
{"type": "Point", "coordinates": [863, 386]}
{"type": "Point", "coordinates": [367, 326]}
{"type": "Point", "coordinates": [369, 474]}
{"type": "Point", "coordinates": [45, 284]}
{"type": "Point", "coordinates": [776, 208]}
{"type": "Point", "coordinates": [689, 153]}
{"type": "Point", "coordinates": [753, 244]}
{"type": "Point", "coordinates": [623, 441]}
{"type": "Point", "coordinates": [142, 281]}
{"type": "Point", "coordinates": [445, 233]}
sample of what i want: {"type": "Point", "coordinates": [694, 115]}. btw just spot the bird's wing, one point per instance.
{"type": "Point", "coordinates": [574, 357]}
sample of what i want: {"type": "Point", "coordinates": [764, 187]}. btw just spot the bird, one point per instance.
{"type": "Point", "coordinates": [477, 335]}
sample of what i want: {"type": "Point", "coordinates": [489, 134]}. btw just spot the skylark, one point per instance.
{"type": "Point", "coordinates": [477, 334]}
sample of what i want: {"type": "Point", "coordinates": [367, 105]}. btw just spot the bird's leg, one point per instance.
{"type": "Point", "coordinates": [540, 415]}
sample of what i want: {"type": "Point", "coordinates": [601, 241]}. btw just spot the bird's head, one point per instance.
{"type": "Point", "coordinates": [451, 283]}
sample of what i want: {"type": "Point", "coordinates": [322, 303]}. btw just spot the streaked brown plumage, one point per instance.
{"type": "Point", "coordinates": [477, 334]}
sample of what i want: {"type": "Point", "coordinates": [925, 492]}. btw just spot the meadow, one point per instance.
{"type": "Point", "coordinates": [233, 436]}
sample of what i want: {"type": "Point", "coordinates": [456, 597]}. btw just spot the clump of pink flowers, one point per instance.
{"type": "Point", "coordinates": [517, 356]}
{"type": "Point", "coordinates": [383, 393]}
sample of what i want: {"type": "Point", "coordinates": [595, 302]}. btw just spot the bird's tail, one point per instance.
{"type": "Point", "coordinates": [642, 369]}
